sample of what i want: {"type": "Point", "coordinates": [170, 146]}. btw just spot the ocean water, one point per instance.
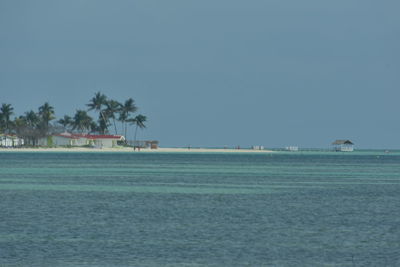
{"type": "Point", "coordinates": [171, 209]}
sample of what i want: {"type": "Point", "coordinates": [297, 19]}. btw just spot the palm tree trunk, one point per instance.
{"type": "Point", "coordinates": [134, 139]}
{"type": "Point", "coordinates": [104, 118]}
{"type": "Point", "coordinates": [126, 130]}
{"type": "Point", "coordinates": [115, 126]}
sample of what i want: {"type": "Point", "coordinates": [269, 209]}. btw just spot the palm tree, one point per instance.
{"type": "Point", "coordinates": [139, 121]}
{"type": "Point", "coordinates": [126, 109]}
{"type": "Point", "coordinates": [32, 131]}
{"type": "Point", "coordinates": [102, 126]}
{"type": "Point", "coordinates": [94, 127]}
{"type": "Point", "coordinates": [32, 119]}
{"type": "Point", "coordinates": [6, 111]}
{"type": "Point", "coordinates": [113, 107]}
{"type": "Point", "coordinates": [82, 121]}
{"type": "Point", "coordinates": [46, 112]}
{"type": "Point", "coordinates": [96, 103]}
{"type": "Point", "coordinates": [65, 122]}
{"type": "Point", "coordinates": [20, 125]}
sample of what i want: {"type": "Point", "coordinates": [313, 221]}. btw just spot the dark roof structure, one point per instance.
{"type": "Point", "coordinates": [342, 142]}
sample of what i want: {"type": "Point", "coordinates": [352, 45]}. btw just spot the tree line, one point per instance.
{"type": "Point", "coordinates": [34, 125]}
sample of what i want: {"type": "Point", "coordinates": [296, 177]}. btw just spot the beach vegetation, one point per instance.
{"type": "Point", "coordinates": [6, 110]}
{"type": "Point", "coordinates": [46, 114]}
{"type": "Point", "coordinates": [42, 123]}
{"type": "Point", "coordinates": [27, 126]}
{"type": "Point", "coordinates": [82, 122]}
{"type": "Point", "coordinates": [66, 122]}
{"type": "Point", "coordinates": [97, 103]}
{"type": "Point", "coordinates": [50, 141]}
{"type": "Point", "coordinates": [113, 108]}
{"type": "Point", "coordinates": [127, 109]}
{"type": "Point", "coordinates": [139, 121]}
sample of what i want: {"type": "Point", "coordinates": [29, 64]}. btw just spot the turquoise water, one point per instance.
{"type": "Point", "coordinates": [166, 209]}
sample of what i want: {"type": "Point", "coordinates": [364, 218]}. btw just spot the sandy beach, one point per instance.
{"type": "Point", "coordinates": [130, 150]}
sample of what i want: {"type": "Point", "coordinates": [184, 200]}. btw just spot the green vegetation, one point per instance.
{"type": "Point", "coordinates": [126, 110]}
{"type": "Point", "coordinates": [6, 111]}
{"type": "Point", "coordinates": [33, 125]}
{"type": "Point", "coordinates": [139, 121]}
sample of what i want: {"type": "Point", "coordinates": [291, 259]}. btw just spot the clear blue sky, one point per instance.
{"type": "Point", "coordinates": [214, 72]}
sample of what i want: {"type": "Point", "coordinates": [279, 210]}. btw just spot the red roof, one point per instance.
{"type": "Point", "coordinates": [89, 136]}
{"type": "Point", "coordinates": [67, 135]}
{"type": "Point", "coordinates": [103, 136]}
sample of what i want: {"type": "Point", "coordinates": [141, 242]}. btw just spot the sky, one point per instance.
{"type": "Point", "coordinates": [213, 73]}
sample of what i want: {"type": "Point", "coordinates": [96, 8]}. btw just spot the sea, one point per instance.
{"type": "Point", "coordinates": [200, 209]}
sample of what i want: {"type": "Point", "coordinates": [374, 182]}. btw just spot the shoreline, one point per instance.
{"type": "Point", "coordinates": [130, 150]}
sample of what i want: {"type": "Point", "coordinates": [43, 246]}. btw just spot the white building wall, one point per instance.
{"type": "Point", "coordinates": [18, 141]}
{"type": "Point", "coordinates": [344, 148]}
{"type": "Point", "coordinates": [61, 141]}
{"type": "Point", "coordinates": [80, 142]}
{"type": "Point", "coordinates": [347, 148]}
{"type": "Point", "coordinates": [11, 141]}
{"type": "Point", "coordinates": [6, 141]}
{"type": "Point", "coordinates": [104, 143]}
{"type": "Point", "coordinates": [42, 141]}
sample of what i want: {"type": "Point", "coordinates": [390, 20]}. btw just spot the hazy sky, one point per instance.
{"type": "Point", "coordinates": [214, 72]}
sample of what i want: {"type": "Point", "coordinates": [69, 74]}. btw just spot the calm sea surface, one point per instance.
{"type": "Point", "coordinates": [166, 209]}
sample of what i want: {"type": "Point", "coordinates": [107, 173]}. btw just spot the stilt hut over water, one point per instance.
{"type": "Point", "coordinates": [343, 145]}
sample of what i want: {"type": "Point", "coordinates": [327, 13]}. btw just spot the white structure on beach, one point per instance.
{"type": "Point", "coordinates": [343, 145]}
{"type": "Point", "coordinates": [63, 139]}
{"type": "Point", "coordinates": [152, 144]}
{"type": "Point", "coordinates": [292, 148]}
{"type": "Point", "coordinates": [10, 141]}
{"type": "Point", "coordinates": [104, 140]}
{"type": "Point", "coordinates": [70, 139]}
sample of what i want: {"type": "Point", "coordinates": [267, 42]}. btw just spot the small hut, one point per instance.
{"type": "Point", "coordinates": [153, 144]}
{"type": "Point", "coordinates": [343, 145]}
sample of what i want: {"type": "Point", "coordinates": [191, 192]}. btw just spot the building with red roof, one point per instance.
{"type": "Point", "coordinates": [72, 139]}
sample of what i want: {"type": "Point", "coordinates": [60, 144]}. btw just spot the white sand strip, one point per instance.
{"type": "Point", "coordinates": [127, 149]}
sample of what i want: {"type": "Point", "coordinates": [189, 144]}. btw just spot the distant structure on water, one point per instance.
{"type": "Point", "coordinates": [257, 147]}
{"type": "Point", "coordinates": [343, 145]}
